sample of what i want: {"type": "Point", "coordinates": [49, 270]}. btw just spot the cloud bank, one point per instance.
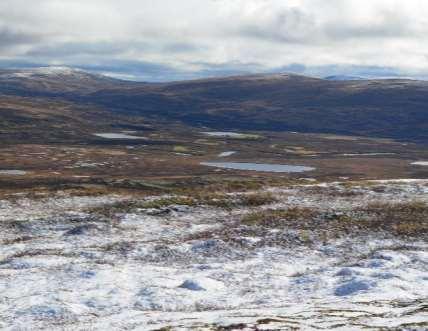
{"type": "Point", "coordinates": [169, 39]}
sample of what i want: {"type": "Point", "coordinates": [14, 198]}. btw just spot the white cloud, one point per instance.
{"type": "Point", "coordinates": [264, 34]}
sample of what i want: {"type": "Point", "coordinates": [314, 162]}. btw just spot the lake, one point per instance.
{"type": "Point", "coordinates": [420, 163]}
{"type": "Point", "coordinates": [235, 135]}
{"type": "Point", "coordinates": [13, 172]}
{"type": "Point", "coordinates": [117, 136]}
{"type": "Point", "coordinates": [262, 167]}
{"type": "Point", "coordinates": [223, 134]}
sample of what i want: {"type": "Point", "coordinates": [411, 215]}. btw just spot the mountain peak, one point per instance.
{"type": "Point", "coordinates": [54, 79]}
{"type": "Point", "coordinates": [56, 70]}
{"type": "Point", "coordinates": [51, 71]}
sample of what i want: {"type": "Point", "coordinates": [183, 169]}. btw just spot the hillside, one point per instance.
{"type": "Point", "coordinates": [384, 108]}
{"type": "Point", "coordinates": [280, 102]}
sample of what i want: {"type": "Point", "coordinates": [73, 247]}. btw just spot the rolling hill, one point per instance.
{"type": "Point", "coordinates": [390, 108]}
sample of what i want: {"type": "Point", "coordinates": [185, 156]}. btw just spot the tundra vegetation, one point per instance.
{"type": "Point", "coordinates": [225, 255]}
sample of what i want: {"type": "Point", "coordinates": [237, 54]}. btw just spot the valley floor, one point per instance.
{"type": "Point", "coordinates": [345, 256]}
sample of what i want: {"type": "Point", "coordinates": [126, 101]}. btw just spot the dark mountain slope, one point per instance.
{"type": "Point", "coordinates": [383, 108]}
{"type": "Point", "coordinates": [386, 108]}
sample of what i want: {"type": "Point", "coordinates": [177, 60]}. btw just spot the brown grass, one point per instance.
{"type": "Point", "coordinates": [277, 218]}
{"type": "Point", "coordinates": [169, 201]}
{"type": "Point", "coordinates": [408, 218]}
{"type": "Point", "coordinates": [257, 199]}
{"type": "Point", "coordinates": [397, 219]}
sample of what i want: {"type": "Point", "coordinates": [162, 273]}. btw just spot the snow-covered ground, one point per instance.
{"type": "Point", "coordinates": [64, 266]}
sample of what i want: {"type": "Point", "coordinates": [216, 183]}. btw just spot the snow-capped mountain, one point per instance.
{"type": "Point", "coordinates": [53, 80]}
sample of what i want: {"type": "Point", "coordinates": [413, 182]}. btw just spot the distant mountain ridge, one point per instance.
{"type": "Point", "coordinates": [394, 108]}
{"type": "Point", "coordinates": [343, 77]}
{"type": "Point", "coordinates": [53, 80]}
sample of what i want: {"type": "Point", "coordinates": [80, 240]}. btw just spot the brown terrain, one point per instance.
{"type": "Point", "coordinates": [48, 123]}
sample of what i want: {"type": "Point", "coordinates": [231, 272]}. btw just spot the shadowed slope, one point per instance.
{"type": "Point", "coordinates": [382, 108]}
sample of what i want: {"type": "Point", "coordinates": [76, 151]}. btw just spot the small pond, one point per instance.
{"type": "Point", "coordinates": [420, 163]}
{"type": "Point", "coordinates": [117, 136]}
{"type": "Point", "coordinates": [235, 135]}
{"type": "Point", "coordinates": [263, 167]}
{"type": "Point", "coordinates": [222, 134]}
{"type": "Point", "coordinates": [13, 172]}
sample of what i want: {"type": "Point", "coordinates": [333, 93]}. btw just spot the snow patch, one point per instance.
{"type": "Point", "coordinates": [226, 154]}
{"type": "Point", "coordinates": [420, 163]}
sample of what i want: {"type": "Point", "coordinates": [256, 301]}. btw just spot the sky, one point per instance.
{"type": "Point", "coordinates": [163, 40]}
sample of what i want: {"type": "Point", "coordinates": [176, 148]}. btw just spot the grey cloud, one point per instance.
{"type": "Point", "coordinates": [388, 24]}
{"type": "Point", "coordinates": [9, 37]}
{"type": "Point", "coordinates": [105, 49]}
{"type": "Point", "coordinates": [19, 64]}
{"type": "Point", "coordinates": [288, 25]}
{"type": "Point", "coordinates": [176, 47]}
{"type": "Point", "coordinates": [74, 49]}
{"type": "Point", "coordinates": [297, 26]}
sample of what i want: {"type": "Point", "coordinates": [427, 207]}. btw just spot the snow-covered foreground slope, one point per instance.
{"type": "Point", "coordinates": [65, 265]}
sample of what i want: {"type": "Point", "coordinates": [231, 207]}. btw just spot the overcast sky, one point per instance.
{"type": "Point", "coordinates": [179, 39]}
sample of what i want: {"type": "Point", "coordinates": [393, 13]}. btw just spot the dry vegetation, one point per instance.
{"type": "Point", "coordinates": [402, 219]}
{"type": "Point", "coordinates": [398, 219]}
{"type": "Point", "coordinates": [278, 217]}
{"type": "Point", "coordinates": [200, 198]}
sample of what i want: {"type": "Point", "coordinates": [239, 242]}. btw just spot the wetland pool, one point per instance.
{"type": "Point", "coordinates": [261, 167]}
